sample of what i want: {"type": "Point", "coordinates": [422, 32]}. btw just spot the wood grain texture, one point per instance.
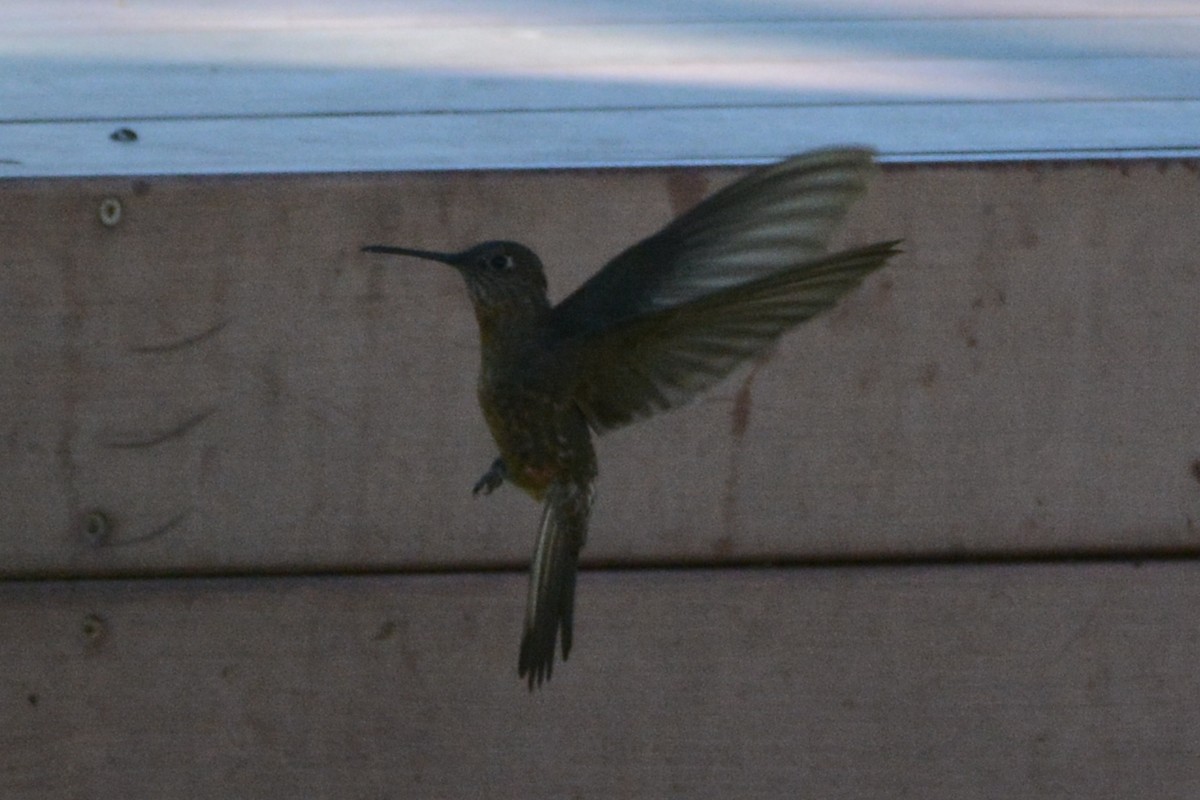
{"type": "Point", "coordinates": [971, 682]}
{"type": "Point", "coordinates": [236, 387]}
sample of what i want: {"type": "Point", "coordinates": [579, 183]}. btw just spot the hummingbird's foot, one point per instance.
{"type": "Point", "coordinates": [491, 479]}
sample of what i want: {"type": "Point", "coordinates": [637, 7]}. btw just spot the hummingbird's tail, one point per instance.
{"type": "Point", "coordinates": [551, 602]}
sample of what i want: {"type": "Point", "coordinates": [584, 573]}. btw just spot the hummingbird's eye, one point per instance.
{"type": "Point", "coordinates": [501, 261]}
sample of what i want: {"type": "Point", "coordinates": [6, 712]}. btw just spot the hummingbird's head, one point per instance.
{"type": "Point", "coordinates": [497, 273]}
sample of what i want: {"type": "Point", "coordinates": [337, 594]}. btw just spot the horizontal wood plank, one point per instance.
{"type": "Point", "coordinates": [32, 17]}
{"type": "Point", "coordinates": [974, 682]}
{"type": "Point", "coordinates": [523, 43]}
{"type": "Point", "coordinates": [221, 381]}
{"type": "Point", "coordinates": [59, 92]}
{"type": "Point", "coordinates": [446, 85]}
{"type": "Point", "coordinates": [588, 138]}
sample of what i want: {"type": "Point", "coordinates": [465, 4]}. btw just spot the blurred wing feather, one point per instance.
{"type": "Point", "coordinates": [661, 360]}
{"type": "Point", "coordinates": [772, 219]}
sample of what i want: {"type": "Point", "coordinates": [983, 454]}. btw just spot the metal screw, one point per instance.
{"type": "Point", "coordinates": [110, 211]}
{"type": "Point", "coordinates": [97, 527]}
{"type": "Point", "coordinates": [94, 628]}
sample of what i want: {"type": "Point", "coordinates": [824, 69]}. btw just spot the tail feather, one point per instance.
{"type": "Point", "coordinates": [551, 603]}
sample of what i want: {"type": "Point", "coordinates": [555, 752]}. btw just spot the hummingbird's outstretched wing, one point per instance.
{"type": "Point", "coordinates": [771, 220]}
{"type": "Point", "coordinates": [661, 360]}
{"type": "Point", "coordinates": [676, 312]}
{"type": "Point", "coordinates": [551, 602]}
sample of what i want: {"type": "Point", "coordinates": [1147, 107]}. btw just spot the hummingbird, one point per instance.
{"type": "Point", "coordinates": [661, 322]}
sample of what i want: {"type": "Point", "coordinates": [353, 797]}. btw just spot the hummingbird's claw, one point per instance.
{"type": "Point", "coordinates": [491, 479]}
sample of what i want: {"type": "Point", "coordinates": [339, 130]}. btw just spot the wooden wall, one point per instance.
{"type": "Point", "coordinates": [937, 544]}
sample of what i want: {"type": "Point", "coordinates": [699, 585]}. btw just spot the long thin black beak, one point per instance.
{"type": "Point", "coordinates": [428, 255]}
